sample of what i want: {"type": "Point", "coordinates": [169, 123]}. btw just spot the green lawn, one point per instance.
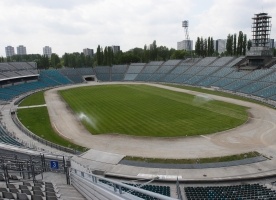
{"type": "Point", "coordinates": [37, 121]}
{"type": "Point", "coordinates": [34, 99]}
{"type": "Point", "coordinates": [149, 111]}
{"type": "Point", "coordinates": [219, 93]}
{"type": "Point", "coordinates": [197, 160]}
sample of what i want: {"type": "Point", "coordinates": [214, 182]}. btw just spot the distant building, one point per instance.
{"type": "Point", "coordinates": [9, 51]}
{"type": "Point", "coordinates": [47, 51]}
{"type": "Point", "coordinates": [88, 52]}
{"type": "Point", "coordinates": [115, 49]}
{"type": "Point", "coordinates": [185, 45]}
{"type": "Point", "coordinates": [21, 50]}
{"type": "Point", "coordinates": [220, 45]}
{"type": "Point", "coordinates": [271, 43]}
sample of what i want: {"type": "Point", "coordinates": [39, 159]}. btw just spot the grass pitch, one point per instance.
{"type": "Point", "coordinates": [149, 111]}
{"type": "Point", "coordinates": [229, 158]}
{"type": "Point", "coordinates": [38, 122]}
{"type": "Point", "coordinates": [34, 99]}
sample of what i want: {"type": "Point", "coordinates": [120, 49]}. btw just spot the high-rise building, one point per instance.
{"type": "Point", "coordinates": [47, 51]}
{"type": "Point", "coordinates": [9, 51]}
{"type": "Point", "coordinates": [21, 50]}
{"type": "Point", "coordinates": [271, 43]}
{"type": "Point", "coordinates": [115, 49]}
{"type": "Point", "coordinates": [185, 45]}
{"type": "Point", "coordinates": [220, 45]}
{"type": "Point", "coordinates": [88, 52]}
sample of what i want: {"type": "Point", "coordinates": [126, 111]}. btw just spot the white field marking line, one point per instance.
{"type": "Point", "coordinates": [22, 107]}
{"type": "Point", "coordinates": [205, 137]}
{"type": "Point", "coordinates": [61, 133]}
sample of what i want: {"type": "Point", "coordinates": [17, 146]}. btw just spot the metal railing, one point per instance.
{"type": "Point", "coordinates": [115, 186]}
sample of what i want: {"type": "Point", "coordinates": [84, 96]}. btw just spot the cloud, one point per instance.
{"type": "Point", "coordinates": [231, 16]}
{"type": "Point", "coordinates": [70, 25]}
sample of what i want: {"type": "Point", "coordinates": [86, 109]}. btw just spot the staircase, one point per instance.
{"type": "Point", "coordinates": [68, 192]}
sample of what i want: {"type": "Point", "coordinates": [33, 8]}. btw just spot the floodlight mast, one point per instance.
{"type": "Point", "coordinates": [185, 25]}
{"type": "Point", "coordinates": [261, 29]}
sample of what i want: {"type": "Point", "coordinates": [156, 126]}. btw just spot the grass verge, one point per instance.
{"type": "Point", "coordinates": [37, 121]}
{"type": "Point", "coordinates": [34, 99]}
{"type": "Point", "coordinates": [195, 161]}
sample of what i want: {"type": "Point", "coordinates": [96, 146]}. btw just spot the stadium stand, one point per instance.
{"type": "Point", "coordinates": [20, 78]}
{"type": "Point", "coordinates": [206, 72]}
{"type": "Point", "coordinates": [118, 72]}
{"type": "Point", "coordinates": [133, 70]}
{"type": "Point", "coordinates": [6, 138]}
{"type": "Point", "coordinates": [77, 75]}
{"type": "Point", "coordinates": [148, 70]}
{"type": "Point", "coordinates": [246, 191]}
{"type": "Point", "coordinates": [164, 69]}
{"type": "Point", "coordinates": [103, 73]}
{"type": "Point", "coordinates": [159, 189]}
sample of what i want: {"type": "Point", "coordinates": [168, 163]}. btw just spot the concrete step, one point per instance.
{"type": "Point", "coordinates": [69, 192]}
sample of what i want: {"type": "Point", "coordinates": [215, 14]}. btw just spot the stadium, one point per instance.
{"type": "Point", "coordinates": [218, 90]}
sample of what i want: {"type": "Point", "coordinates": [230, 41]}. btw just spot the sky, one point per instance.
{"type": "Point", "coordinates": [72, 25]}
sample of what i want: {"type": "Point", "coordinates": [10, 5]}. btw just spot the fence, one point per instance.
{"type": "Point", "coordinates": [92, 187]}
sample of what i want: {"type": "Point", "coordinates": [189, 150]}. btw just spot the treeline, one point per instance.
{"type": "Point", "coordinates": [106, 57]}
{"type": "Point", "coordinates": [204, 47]}
{"type": "Point", "coordinates": [77, 60]}
{"type": "Point", "coordinates": [44, 62]}
{"type": "Point", "coordinates": [237, 46]}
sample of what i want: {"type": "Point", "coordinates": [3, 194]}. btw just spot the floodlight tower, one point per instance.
{"type": "Point", "coordinates": [185, 25]}
{"type": "Point", "coordinates": [261, 30]}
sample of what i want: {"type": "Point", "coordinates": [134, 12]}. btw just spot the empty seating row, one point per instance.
{"type": "Point", "coordinates": [7, 139]}
{"type": "Point", "coordinates": [29, 191]}
{"type": "Point", "coordinates": [207, 72]}
{"type": "Point", "coordinates": [14, 66]}
{"type": "Point", "coordinates": [47, 78]}
{"type": "Point", "coordinates": [164, 190]}
{"type": "Point", "coordinates": [247, 191]}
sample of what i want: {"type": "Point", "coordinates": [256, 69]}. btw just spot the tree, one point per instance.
{"type": "Point", "coordinates": [154, 50]}
{"type": "Point", "coordinates": [201, 47]}
{"type": "Point", "coordinates": [229, 45]}
{"type": "Point", "coordinates": [65, 59]}
{"type": "Point", "coordinates": [240, 42]}
{"type": "Point", "coordinates": [44, 62]}
{"type": "Point", "coordinates": [249, 44]}
{"type": "Point", "coordinates": [55, 60]}
{"type": "Point", "coordinates": [212, 48]}
{"type": "Point", "coordinates": [209, 47]}
{"type": "Point", "coordinates": [99, 56]}
{"type": "Point", "coordinates": [244, 44]}
{"type": "Point", "coordinates": [146, 56]}
{"type": "Point", "coordinates": [205, 47]}
{"type": "Point", "coordinates": [197, 46]}
{"type": "Point", "coordinates": [179, 54]}
{"type": "Point", "coordinates": [235, 44]}
{"type": "Point", "coordinates": [163, 53]}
